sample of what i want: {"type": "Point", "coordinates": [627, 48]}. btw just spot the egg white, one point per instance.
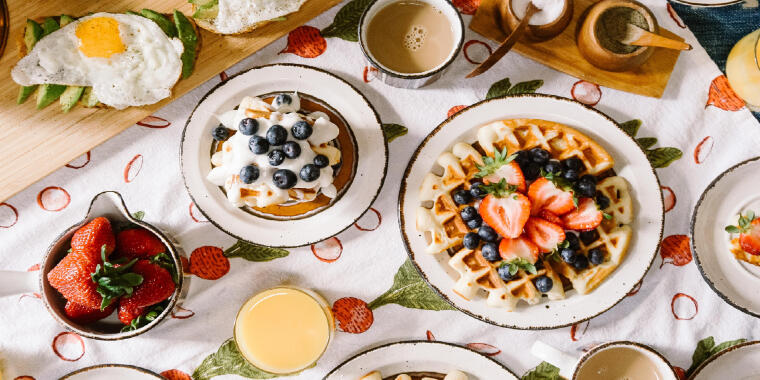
{"type": "Point", "coordinates": [237, 15]}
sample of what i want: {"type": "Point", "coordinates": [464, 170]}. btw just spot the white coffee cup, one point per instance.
{"type": "Point", "coordinates": [570, 365]}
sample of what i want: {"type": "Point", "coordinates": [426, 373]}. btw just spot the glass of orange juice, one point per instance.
{"type": "Point", "coordinates": [284, 330]}
{"type": "Point", "coordinates": [743, 69]}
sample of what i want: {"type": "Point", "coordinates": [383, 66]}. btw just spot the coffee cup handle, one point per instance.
{"type": "Point", "coordinates": [564, 361]}
{"type": "Point", "coordinates": [14, 282]}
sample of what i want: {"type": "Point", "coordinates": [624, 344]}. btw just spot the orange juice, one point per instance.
{"type": "Point", "coordinates": [284, 330]}
{"type": "Point", "coordinates": [743, 69]}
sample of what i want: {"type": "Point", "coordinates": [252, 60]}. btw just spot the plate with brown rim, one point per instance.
{"type": "Point", "coordinates": [740, 361]}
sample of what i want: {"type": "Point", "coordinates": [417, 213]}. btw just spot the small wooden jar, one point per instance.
{"type": "Point", "coordinates": [536, 33]}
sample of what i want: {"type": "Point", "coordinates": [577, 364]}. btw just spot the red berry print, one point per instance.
{"type": "Point", "coordinates": [635, 289]}
{"type": "Point", "coordinates": [31, 295]}
{"type": "Point", "coordinates": [80, 161]}
{"type": "Point", "coordinates": [154, 122]}
{"type": "Point", "coordinates": [34, 267]}
{"type": "Point", "coordinates": [8, 215]}
{"type": "Point", "coordinates": [353, 315]}
{"type": "Point", "coordinates": [328, 250]}
{"type": "Point", "coordinates": [196, 216]}
{"type": "Point", "coordinates": [668, 197]}
{"type": "Point", "coordinates": [185, 265]}
{"type": "Point", "coordinates": [467, 7]}
{"type": "Point", "coordinates": [370, 222]}
{"type": "Point", "coordinates": [133, 168]}
{"type": "Point", "coordinates": [68, 346]}
{"type": "Point", "coordinates": [586, 92]}
{"type": "Point", "coordinates": [675, 17]}
{"type": "Point", "coordinates": [306, 42]}
{"type": "Point", "coordinates": [578, 330]}
{"type": "Point", "coordinates": [209, 263]}
{"type": "Point", "coordinates": [703, 149]}
{"type": "Point", "coordinates": [484, 348]}
{"type": "Point", "coordinates": [369, 73]}
{"type": "Point", "coordinates": [721, 95]}
{"type": "Point", "coordinates": [430, 336]}
{"type": "Point", "coordinates": [454, 110]}
{"type": "Point", "coordinates": [680, 372]}
{"type": "Point", "coordinates": [480, 55]}
{"type": "Point", "coordinates": [680, 315]}
{"type": "Point", "coordinates": [180, 312]}
{"type": "Point", "coordinates": [223, 76]}
{"type": "Point", "coordinates": [53, 198]}
{"type": "Point", "coordinates": [675, 250]}
{"type": "Point", "coordinates": [175, 374]}
{"type": "Point", "coordinates": [24, 378]}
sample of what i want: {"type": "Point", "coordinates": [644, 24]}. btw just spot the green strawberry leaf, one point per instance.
{"type": "Point", "coordinates": [706, 348]}
{"type": "Point", "coordinates": [662, 157]}
{"type": "Point", "coordinates": [631, 127]}
{"type": "Point", "coordinates": [114, 281]}
{"type": "Point", "coordinates": [492, 164]}
{"type": "Point", "coordinates": [410, 290]}
{"type": "Point", "coordinates": [346, 22]}
{"type": "Point", "coordinates": [499, 189]}
{"type": "Point", "coordinates": [516, 264]}
{"type": "Point", "coordinates": [164, 261]}
{"type": "Point", "coordinates": [139, 215]}
{"type": "Point", "coordinates": [527, 87]}
{"type": "Point", "coordinates": [394, 131]}
{"type": "Point", "coordinates": [227, 360]}
{"type": "Point", "coordinates": [647, 142]}
{"type": "Point", "coordinates": [499, 88]}
{"type": "Point", "coordinates": [146, 317]}
{"type": "Point", "coordinates": [255, 252]}
{"type": "Point", "coordinates": [543, 371]}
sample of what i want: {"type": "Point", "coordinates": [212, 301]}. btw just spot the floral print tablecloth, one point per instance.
{"type": "Point", "coordinates": [698, 129]}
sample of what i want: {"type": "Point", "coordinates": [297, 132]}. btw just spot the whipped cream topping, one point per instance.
{"type": "Point", "coordinates": [235, 154]}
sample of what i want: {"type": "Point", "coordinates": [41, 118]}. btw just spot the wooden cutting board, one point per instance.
{"type": "Point", "coordinates": [37, 142]}
{"type": "Point", "coordinates": [561, 53]}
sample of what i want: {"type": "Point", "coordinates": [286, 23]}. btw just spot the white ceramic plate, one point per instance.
{"type": "Point", "coordinates": [733, 191]}
{"type": "Point", "coordinates": [112, 371]}
{"type": "Point", "coordinates": [738, 362]}
{"type": "Point", "coordinates": [419, 356]}
{"type": "Point", "coordinates": [355, 109]}
{"type": "Point", "coordinates": [630, 163]}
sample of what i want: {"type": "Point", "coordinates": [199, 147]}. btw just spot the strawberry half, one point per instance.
{"type": "Point", "coordinates": [138, 242]}
{"type": "Point", "coordinates": [506, 215]}
{"type": "Point", "coordinates": [750, 241]}
{"type": "Point", "coordinates": [586, 217]}
{"type": "Point", "coordinates": [91, 237]}
{"type": "Point", "coordinates": [518, 248]}
{"type": "Point", "coordinates": [511, 172]}
{"type": "Point", "coordinates": [545, 234]}
{"type": "Point", "coordinates": [83, 315]}
{"type": "Point", "coordinates": [545, 195]}
{"type": "Point", "coordinates": [550, 216]}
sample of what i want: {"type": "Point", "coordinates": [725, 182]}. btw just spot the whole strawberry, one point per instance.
{"type": "Point", "coordinates": [72, 278]}
{"type": "Point", "coordinates": [91, 238]}
{"type": "Point", "coordinates": [138, 242]}
{"type": "Point", "coordinates": [157, 285]}
{"type": "Point", "coordinates": [83, 315]}
{"type": "Point", "coordinates": [128, 313]}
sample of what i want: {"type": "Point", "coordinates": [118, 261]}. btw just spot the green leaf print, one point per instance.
{"type": "Point", "coordinates": [346, 22]}
{"type": "Point", "coordinates": [499, 88]}
{"type": "Point", "coordinates": [394, 131]}
{"type": "Point", "coordinates": [139, 215]}
{"type": "Point", "coordinates": [658, 157]}
{"type": "Point", "coordinates": [647, 142]}
{"type": "Point", "coordinates": [631, 127]}
{"type": "Point", "coordinates": [410, 290]}
{"type": "Point", "coordinates": [544, 371]}
{"type": "Point", "coordinates": [504, 87]}
{"type": "Point", "coordinates": [706, 348]}
{"type": "Point", "coordinates": [254, 252]}
{"type": "Point", "coordinates": [228, 361]}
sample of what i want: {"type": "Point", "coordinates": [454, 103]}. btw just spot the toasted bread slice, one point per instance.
{"type": "Point", "coordinates": [208, 25]}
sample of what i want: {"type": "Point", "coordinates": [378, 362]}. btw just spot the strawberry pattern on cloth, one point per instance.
{"type": "Point", "coordinates": [364, 272]}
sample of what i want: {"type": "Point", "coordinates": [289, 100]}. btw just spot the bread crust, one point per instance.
{"type": "Point", "coordinates": [207, 25]}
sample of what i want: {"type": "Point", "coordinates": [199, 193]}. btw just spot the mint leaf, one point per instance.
{"type": "Point", "coordinates": [520, 263]}
{"type": "Point", "coordinates": [499, 189]}
{"type": "Point", "coordinates": [492, 164]}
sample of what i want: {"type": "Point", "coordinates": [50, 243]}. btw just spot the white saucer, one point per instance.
{"type": "Point", "coordinates": [350, 104]}
{"type": "Point", "coordinates": [630, 163]}
{"type": "Point", "coordinates": [420, 356]}
{"type": "Point", "coordinates": [112, 371]}
{"type": "Point", "coordinates": [732, 191]}
{"type": "Point", "coordinates": [738, 362]}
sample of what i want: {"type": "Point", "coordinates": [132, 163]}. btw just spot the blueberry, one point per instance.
{"type": "Point", "coordinates": [588, 178]}
{"type": "Point", "coordinates": [568, 255]}
{"type": "Point", "coordinates": [490, 252]}
{"type": "Point", "coordinates": [543, 284]}
{"type": "Point", "coordinates": [570, 174]}
{"type": "Point", "coordinates": [249, 173]}
{"type": "Point", "coordinates": [277, 135]}
{"type": "Point", "coordinates": [283, 99]}
{"type": "Point", "coordinates": [539, 265]}
{"type": "Point", "coordinates": [276, 157]}
{"type": "Point", "coordinates": [596, 256]}
{"type": "Point", "coordinates": [284, 178]}
{"type": "Point", "coordinates": [539, 155]}
{"type": "Point", "coordinates": [475, 222]}
{"type": "Point", "coordinates": [585, 188]}
{"type": "Point", "coordinates": [220, 133]}
{"type": "Point", "coordinates": [258, 144]}
{"type": "Point", "coordinates": [523, 158]}
{"type": "Point", "coordinates": [504, 273]}
{"type": "Point", "coordinates": [553, 167]}
{"type": "Point", "coordinates": [321, 161]}
{"type": "Point", "coordinates": [477, 191]}
{"type": "Point", "coordinates": [580, 263]}
{"type": "Point", "coordinates": [602, 201]}
{"type": "Point", "coordinates": [462, 197]}
{"type": "Point", "coordinates": [301, 130]}
{"type": "Point", "coordinates": [291, 149]}
{"type": "Point", "coordinates": [309, 172]}
{"type": "Point", "coordinates": [572, 241]}
{"type": "Point", "coordinates": [248, 126]}
{"type": "Point", "coordinates": [471, 240]}
{"type": "Point", "coordinates": [488, 234]}
{"type": "Point", "coordinates": [588, 237]}
{"type": "Point", "coordinates": [573, 163]}
{"type": "Point", "coordinates": [469, 213]}
{"type": "Point", "coordinates": [531, 171]}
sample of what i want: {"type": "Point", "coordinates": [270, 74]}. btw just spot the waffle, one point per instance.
{"type": "Point", "coordinates": [438, 216]}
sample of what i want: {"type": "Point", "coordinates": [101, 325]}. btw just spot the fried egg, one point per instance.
{"type": "Point", "coordinates": [237, 15]}
{"type": "Point", "coordinates": [127, 59]}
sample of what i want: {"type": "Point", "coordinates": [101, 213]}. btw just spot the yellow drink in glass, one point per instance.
{"type": "Point", "coordinates": [284, 330]}
{"type": "Point", "coordinates": [743, 69]}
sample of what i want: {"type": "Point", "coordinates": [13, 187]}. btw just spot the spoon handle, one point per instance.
{"type": "Point", "coordinates": [647, 38]}
{"type": "Point", "coordinates": [507, 44]}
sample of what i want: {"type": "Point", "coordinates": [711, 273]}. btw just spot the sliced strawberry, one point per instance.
{"type": "Point", "coordinates": [545, 234]}
{"type": "Point", "coordinates": [550, 216]}
{"type": "Point", "coordinates": [750, 241]}
{"type": "Point", "coordinates": [511, 172]}
{"type": "Point", "coordinates": [519, 248]}
{"type": "Point", "coordinates": [506, 215]}
{"type": "Point", "coordinates": [586, 217]}
{"type": "Point", "coordinates": [546, 196]}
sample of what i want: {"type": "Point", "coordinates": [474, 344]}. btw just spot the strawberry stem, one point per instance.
{"type": "Point", "coordinates": [114, 279]}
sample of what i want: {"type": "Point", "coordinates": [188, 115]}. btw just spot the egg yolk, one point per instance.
{"type": "Point", "coordinates": [99, 37]}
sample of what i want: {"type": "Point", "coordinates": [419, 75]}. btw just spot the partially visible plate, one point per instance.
{"type": "Point", "coordinates": [630, 163]}
{"type": "Point", "coordinates": [112, 371]}
{"type": "Point", "coordinates": [421, 356]}
{"type": "Point", "coordinates": [734, 190]}
{"type": "Point", "coordinates": [738, 362]}
{"type": "Point", "coordinates": [4, 25]}
{"type": "Point", "coordinates": [708, 3]}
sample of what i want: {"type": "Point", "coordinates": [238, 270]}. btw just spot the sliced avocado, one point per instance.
{"type": "Point", "coordinates": [70, 97]}
{"type": "Point", "coordinates": [133, 13]}
{"type": "Point", "coordinates": [66, 20]}
{"type": "Point", "coordinates": [189, 39]}
{"type": "Point", "coordinates": [32, 34]}
{"type": "Point", "coordinates": [48, 93]}
{"type": "Point", "coordinates": [163, 22]}
{"type": "Point", "coordinates": [24, 92]}
{"type": "Point", "coordinates": [206, 9]}
{"type": "Point", "coordinates": [88, 99]}
{"type": "Point", "coordinates": [49, 26]}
